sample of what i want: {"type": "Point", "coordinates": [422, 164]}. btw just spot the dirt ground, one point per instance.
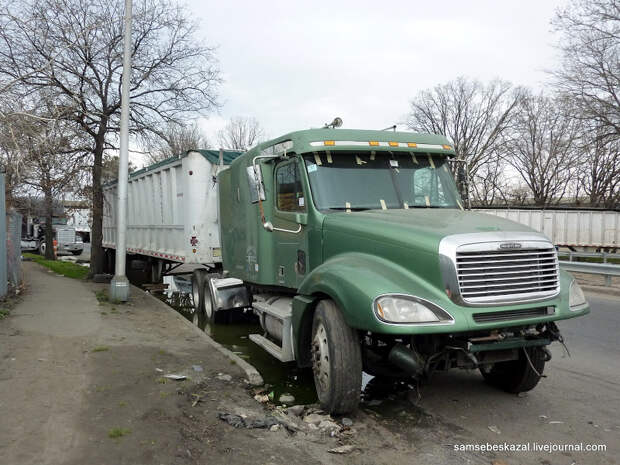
{"type": "Point", "coordinates": [82, 382]}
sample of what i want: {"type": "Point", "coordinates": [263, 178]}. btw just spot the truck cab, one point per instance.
{"type": "Point", "coordinates": [355, 250]}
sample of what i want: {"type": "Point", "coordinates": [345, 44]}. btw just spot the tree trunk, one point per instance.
{"type": "Point", "coordinates": [96, 235]}
{"type": "Point", "coordinates": [49, 228]}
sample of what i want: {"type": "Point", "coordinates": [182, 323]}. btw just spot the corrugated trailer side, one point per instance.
{"type": "Point", "coordinates": [172, 209]}
{"type": "Point", "coordinates": [569, 228]}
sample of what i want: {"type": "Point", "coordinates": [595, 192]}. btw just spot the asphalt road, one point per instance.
{"type": "Point", "coordinates": [577, 402]}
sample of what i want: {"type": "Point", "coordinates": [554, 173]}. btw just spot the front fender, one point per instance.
{"type": "Point", "coordinates": [353, 280]}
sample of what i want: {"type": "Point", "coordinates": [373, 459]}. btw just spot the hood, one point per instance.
{"type": "Point", "coordinates": [420, 229]}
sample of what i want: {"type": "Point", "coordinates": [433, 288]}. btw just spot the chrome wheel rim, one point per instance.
{"type": "Point", "coordinates": [208, 306]}
{"type": "Point", "coordinates": [320, 358]}
{"type": "Point", "coordinates": [195, 295]}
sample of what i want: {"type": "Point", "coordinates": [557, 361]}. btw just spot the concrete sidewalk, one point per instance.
{"type": "Point", "coordinates": [80, 384]}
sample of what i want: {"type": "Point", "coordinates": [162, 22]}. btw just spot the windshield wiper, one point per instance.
{"type": "Point", "coordinates": [356, 209]}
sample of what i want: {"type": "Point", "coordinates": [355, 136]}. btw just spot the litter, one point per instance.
{"type": "Point", "coordinates": [237, 421]}
{"type": "Point", "coordinates": [175, 377]}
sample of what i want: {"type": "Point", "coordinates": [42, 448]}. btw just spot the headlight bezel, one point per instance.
{"type": "Point", "coordinates": [444, 318]}
{"type": "Point", "coordinates": [580, 305]}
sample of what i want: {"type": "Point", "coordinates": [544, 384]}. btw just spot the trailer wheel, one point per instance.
{"type": "Point", "coordinates": [198, 279]}
{"type": "Point", "coordinates": [519, 375]}
{"type": "Point", "coordinates": [209, 308]}
{"type": "Point", "coordinates": [336, 360]}
{"type": "Point", "coordinates": [156, 270]}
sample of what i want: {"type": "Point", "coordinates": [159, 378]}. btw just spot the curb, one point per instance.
{"type": "Point", "coordinates": [612, 291]}
{"type": "Point", "coordinates": [251, 373]}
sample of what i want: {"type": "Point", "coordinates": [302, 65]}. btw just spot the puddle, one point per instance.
{"type": "Point", "coordinates": [282, 378]}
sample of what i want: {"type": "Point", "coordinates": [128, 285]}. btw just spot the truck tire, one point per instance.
{"type": "Point", "coordinates": [198, 279]}
{"type": "Point", "coordinates": [212, 316]}
{"type": "Point", "coordinates": [516, 376]}
{"type": "Point", "coordinates": [336, 360]}
{"type": "Point", "coordinates": [42, 248]}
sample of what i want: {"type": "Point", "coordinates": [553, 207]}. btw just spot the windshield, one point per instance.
{"type": "Point", "coordinates": [364, 181]}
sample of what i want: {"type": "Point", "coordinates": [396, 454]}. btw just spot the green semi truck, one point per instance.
{"type": "Point", "coordinates": [356, 253]}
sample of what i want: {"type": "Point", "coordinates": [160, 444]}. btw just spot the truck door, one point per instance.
{"type": "Point", "coordinates": [290, 218]}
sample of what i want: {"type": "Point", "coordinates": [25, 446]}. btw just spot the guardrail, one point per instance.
{"type": "Point", "coordinates": [604, 269]}
{"type": "Point", "coordinates": [603, 255]}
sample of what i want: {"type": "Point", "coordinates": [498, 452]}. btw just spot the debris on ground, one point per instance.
{"type": "Point", "coordinates": [286, 399]}
{"type": "Point", "coordinates": [347, 449]}
{"type": "Point", "coordinates": [237, 421]}
{"type": "Point", "coordinates": [159, 370]}
{"type": "Point", "coordinates": [315, 418]}
{"type": "Point", "coordinates": [224, 377]}
{"type": "Point", "coordinates": [197, 368]}
{"type": "Point", "coordinates": [262, 398]}
{"type": "Point", "coordinates": [175, 377]}
{"type": "Point", "coordinates": [346, 421]}
{"type": "Point", "coordinates": [295, 410]}
{"type": "Point", "coordinates": [495, 429]}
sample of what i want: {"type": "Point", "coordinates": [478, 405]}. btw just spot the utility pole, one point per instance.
{"type": "Point", "coordinates": [119, 286]}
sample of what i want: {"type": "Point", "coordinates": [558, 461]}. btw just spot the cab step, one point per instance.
{"type": "Point", "coordinates": [275, 315]}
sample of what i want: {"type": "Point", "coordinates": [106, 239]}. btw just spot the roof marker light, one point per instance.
{"type": "Point", "coordinates": [447, 147]}
{"type": "Point", "coordinates": [329, 142]}
{"type": "Point", "coordinates": [373, 143]}
{"type": "Point", "coordinates": [412, 144]}
{"type": "Point", "coordinates": [393, 144]}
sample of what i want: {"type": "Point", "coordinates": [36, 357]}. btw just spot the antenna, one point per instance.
{"type": "Point", "coordinates": [334, 124]}
{"type": "Point", "coordinates": [393, 128]}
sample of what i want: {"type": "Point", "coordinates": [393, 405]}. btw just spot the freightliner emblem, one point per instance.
{"type": "Point", "coordinates": [510, 245]}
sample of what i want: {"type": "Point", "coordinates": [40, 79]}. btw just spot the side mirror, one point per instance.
{"type": "Point", "coordinates": [268, 226]}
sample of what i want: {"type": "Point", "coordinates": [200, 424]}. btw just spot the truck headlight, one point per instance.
{"type": "Point", "coordinates": [576, 298]}
{"type": "Point", "coordinates": [399, 308]}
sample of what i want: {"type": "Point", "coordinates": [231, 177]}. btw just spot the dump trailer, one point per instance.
{"type": "Point", "coordinates": [172, 212]}
{"type": "Point", "coordinates": [355, 252]}
{"type": "Point", "coordinates": [590, 229]}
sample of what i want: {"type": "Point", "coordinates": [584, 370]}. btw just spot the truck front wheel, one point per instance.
{"type": "Point", "coordinates": [519, 375]}
{"type": "Point", "coordinates": [336, 360]}
{"type": "Point", "coordinates": [211, 315]}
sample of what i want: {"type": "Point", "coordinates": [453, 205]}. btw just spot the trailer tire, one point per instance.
{"type": "Point", "coordinates": [198, 279]}
{"type": "Point", "coordinates": [519, 375]}
{"type": "Point", "coordinates": [336, 360]}
{"type": "Point", "coordinates": [157, 267]}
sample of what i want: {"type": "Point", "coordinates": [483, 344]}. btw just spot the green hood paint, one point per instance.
{"type": "Point", "coordinates": [419, 228]}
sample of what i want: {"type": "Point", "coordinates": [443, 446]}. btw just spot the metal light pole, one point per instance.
{"type": "Point", "coordinates": [119, 286]}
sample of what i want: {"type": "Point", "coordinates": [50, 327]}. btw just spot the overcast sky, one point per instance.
{"type": "Point", "coordinates": [295, 65]}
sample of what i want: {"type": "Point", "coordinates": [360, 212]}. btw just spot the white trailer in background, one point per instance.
{"type": "Point", "coordinates": [172, 211]}
{"type": "Point", "coordinates": [599, 229]}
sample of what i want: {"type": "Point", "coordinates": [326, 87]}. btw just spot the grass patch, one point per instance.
{"type": "Point", "coordinates": [102, 296]}
{"type": "Point", "coordinates": [122, 403]}
{"type": "Point", "coordinates": [100, 349]}
{"type": "Point", "coordinates": [115, 433]}
{"type": "Point", "coordinates": [68, 269]}
{"type": "Point", "coordinates": [4, 313]}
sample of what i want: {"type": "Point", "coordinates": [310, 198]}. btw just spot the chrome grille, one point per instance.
{"type": "Point", "coordinates": [65, 235]}
{"type": "Point", "coordinates": [520, 274]}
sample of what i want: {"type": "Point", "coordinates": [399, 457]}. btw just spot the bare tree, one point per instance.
{"type": "Point", "coordinates": [600, 176]}
{"type": "Point", "coordinates": [491, 185]}
{"type": "Point", "coordinates": [471, 114]}
{"type": "Point", "coordinates": [241, 133]}
{"type": "Point", "coordinates": [75, 48]}
{"type": "Point", "coordinates": [590, 68]}
{"type": "Point", "coordinates": [543, 147]}
{"type": "Point", "coordinates": [175, 139]}
{"type": "Point", "coordinates": [52, 156]}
